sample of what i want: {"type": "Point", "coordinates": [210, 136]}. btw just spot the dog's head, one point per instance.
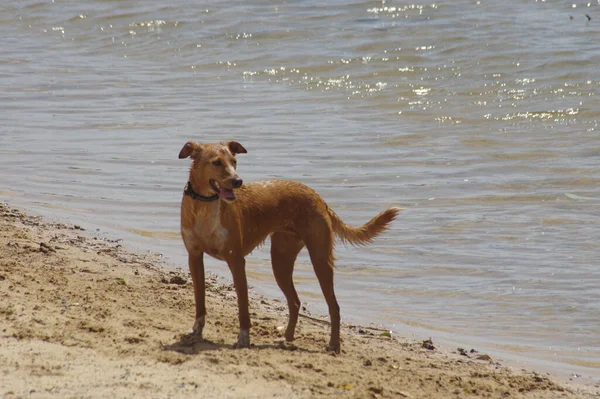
{"type": "Point", "coordinates": [214, 166]}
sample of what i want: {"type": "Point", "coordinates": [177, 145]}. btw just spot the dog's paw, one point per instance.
{"type": "Point", "coordinates": [198, 326]}
{"type": "Point", "coordinates": [332, 347]}
{"type": "Point", "coordinates": [243, 340]}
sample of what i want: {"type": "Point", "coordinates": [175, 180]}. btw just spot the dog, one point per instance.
{"type": "Point", "coordinates": [226, 219]}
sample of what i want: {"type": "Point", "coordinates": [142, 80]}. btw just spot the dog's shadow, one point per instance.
{"type": "Point", "coordinates": [190, 345]}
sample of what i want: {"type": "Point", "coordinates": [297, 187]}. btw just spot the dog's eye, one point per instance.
{"type": "Point", "coordinates": [217, 162]}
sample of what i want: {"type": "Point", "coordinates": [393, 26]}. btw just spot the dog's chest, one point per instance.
{"type": "Point", "coordinates": [208, 235]}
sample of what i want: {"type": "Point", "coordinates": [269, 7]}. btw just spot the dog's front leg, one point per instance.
{"type": "Point", "coordinates": [237, 265]}
{"type": "Point", "coordinates": [196, 263]}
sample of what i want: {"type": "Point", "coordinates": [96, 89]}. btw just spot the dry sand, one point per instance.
{"type": "Point", "coordinates": [82, 317]}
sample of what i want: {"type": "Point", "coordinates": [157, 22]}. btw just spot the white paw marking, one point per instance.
{"type": "Point", "coordinates": [243, 339]}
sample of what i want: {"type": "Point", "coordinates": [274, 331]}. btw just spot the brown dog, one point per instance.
{"type": "Point", "coordinates": [228, 225]}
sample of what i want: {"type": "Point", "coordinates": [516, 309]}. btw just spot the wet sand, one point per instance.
{"type": "Point", "coordinates": [80, 316]}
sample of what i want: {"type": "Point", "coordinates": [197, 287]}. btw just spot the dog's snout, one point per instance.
{"type": "Point", "coordinates": [236, 182]}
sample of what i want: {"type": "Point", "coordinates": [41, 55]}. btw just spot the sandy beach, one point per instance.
{"type": "Point", "coordinates": [83, 317]}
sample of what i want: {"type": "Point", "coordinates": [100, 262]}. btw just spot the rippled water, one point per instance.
{"type": "Point", "coordinates": [479, 118]}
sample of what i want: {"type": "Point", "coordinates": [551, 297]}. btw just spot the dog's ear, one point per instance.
{"type": "Point", "coordinates": [190, 149]}
{"type": "Point", "coordinates": [236, 148]}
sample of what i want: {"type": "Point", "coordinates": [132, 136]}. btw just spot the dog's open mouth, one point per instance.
{"type": "Point", "coordinates": [225, 193]}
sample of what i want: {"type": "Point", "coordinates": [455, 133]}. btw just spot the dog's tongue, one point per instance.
{"type": "Point", "coordinates": [227, 193]}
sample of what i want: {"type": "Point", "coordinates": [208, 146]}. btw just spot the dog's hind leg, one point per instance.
{"type": "Point", "coordinates": [320, 248]}
{"type": "Point", "coordinates": [284, 250]}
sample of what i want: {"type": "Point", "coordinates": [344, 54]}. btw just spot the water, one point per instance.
{"type": "Point", "coordinates": [479, 118]}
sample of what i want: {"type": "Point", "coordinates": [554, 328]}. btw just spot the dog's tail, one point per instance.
{"type": "Point", "coordinates": [364, 234]}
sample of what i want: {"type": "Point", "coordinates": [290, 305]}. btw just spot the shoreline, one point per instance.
{"type": "Point", "coordinates": [83, 316]}
{"type": "Point", "coordinates": [259, 270]}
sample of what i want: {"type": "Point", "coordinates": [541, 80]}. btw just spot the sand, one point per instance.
{"type": "Point", "coordinates": [80, 316]}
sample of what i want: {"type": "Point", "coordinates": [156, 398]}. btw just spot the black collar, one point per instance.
{"type": "Point", "coordinates": [188, 190]}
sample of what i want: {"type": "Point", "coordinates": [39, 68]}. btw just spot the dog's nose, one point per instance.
{"type": "Point", "coordinates": [237, 182]}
